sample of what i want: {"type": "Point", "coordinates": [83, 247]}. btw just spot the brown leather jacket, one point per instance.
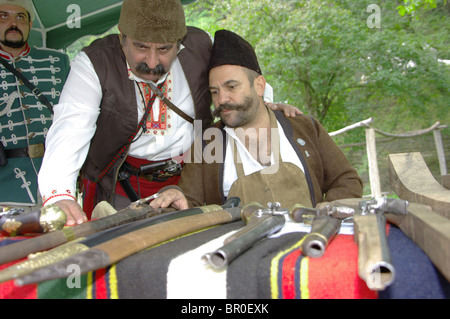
{"type": "Point", "coordinates": [328, 173]}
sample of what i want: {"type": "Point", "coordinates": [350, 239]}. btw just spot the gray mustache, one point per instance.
{"type": "Point", "coordinates": [144, 69]}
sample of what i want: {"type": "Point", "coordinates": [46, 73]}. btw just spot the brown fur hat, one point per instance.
{"type": "Point", "coordinates": [155, 21]}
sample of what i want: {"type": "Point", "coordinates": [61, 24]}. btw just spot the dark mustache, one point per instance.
{"type": "Point", "coordinates": [13, 28]}
{"type": "Point", "coordinates": [144, 69]}
{"type": "Point", "coordinates": [225, 106]}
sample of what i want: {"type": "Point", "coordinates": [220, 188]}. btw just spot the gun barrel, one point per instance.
{"type": "Point", "coordinates": [231, 250]}
{"type": "Point", "coordinates": [323, 230]}
{"type": "Point", "coordinates": [374, 258]}
{"type": "Point", "coordinates": [396, 206]}
{"type": "Point", "coordinates": [150, 167]}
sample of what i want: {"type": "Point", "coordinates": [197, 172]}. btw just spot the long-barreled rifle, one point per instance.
{"type": "Point", "coordinates": [118, 248]}
{"type": "Point", "coordinates": [59, 253]}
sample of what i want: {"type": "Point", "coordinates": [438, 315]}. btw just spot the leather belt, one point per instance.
{"type": "Point", "coordinates": [154, 172]}
{"type": "Point", "coordinates": [32, 151]}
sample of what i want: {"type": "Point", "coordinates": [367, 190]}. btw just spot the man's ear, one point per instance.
{"type": "Point", "coordinates": [260, 85]}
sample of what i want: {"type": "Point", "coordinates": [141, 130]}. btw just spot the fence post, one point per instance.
{"type": "Point", "coordinates": [440, 151]}
{"type": "Point", "coordinates": [374, 176]}
{"type": "Point", "coordinates": [445, 178]}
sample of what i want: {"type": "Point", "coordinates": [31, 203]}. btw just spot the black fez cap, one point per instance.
{"type": "Point", "coordinates": [230, 49]}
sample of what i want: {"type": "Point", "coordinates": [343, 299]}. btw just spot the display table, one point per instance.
{"type": "Point", "coordinates": [273, 269]}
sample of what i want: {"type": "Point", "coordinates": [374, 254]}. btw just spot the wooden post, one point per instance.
{"type": "Point", "coordinates": [446, 181]}
{"type": "Point", "coordinates": [441, 156]}
{"type": "Point", "coordinates": [374, 176]}
{"type": "Point", "coordinates": [440, 151]}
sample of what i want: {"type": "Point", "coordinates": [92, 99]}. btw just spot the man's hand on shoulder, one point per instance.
{"type": "Point", "coordinates": [288, 110]}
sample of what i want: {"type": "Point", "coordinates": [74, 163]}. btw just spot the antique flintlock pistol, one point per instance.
{"type": "Point", "coordinates": [261, 222]}
{"type": "Point", "coordinates": [369, 224]}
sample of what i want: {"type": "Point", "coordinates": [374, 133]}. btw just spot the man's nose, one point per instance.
{"type": "Point", "coordinates": [152, 59]}
{"type": "Point", "coordinates": [12, 23]}
{"type": "Point", "coordinates": [222, 97]}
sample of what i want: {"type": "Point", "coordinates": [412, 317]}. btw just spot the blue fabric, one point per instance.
{"type": "Point", "coordinates": [416, 276]}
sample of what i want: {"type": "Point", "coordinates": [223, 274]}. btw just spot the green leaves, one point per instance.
{"type": "Point", "coordinates": [412, 6]}
{"type": "Point", "coordinates": [333, 61]}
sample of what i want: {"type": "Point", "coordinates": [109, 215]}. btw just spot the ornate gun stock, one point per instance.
{"type": "Point", "coordinates": [15, 222]}
{"type": "Point", "coordinates": [374, 258]}
{"type": "Point", "coordinates": [261, 222]}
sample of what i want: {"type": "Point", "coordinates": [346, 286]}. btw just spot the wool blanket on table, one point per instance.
{"type": "Point", "coordinates": [273, 269]}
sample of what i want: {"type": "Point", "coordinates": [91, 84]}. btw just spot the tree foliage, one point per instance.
{"type": "Point", "coordinates": [344, 61]}
{"type": "Point", "coordinates": [412, 6]}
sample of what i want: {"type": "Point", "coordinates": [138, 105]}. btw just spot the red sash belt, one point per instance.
{"type": "Point", "coordinates": [143, 186]}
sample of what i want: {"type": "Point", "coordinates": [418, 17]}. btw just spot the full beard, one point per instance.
{"type": "Point", "coordinates": [13, 44]}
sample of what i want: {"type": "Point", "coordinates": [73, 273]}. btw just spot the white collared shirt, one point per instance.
{"type": "Point", "coordinates": [250, 164]}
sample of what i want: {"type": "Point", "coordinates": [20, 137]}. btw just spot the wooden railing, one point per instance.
{"type": "Point", "coordinates": [374, 176]}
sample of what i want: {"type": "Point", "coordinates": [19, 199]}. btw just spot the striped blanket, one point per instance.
{"type": "Point", "coordinates": [273, 269]}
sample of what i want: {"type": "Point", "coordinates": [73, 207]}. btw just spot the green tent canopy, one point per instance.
{"type": "Point", "coordinates": [60, 23]}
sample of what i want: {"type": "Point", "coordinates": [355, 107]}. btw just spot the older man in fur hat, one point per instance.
{"type": "Point", "coordinates": [266, 157]}
{"type": "Point", "coordinates": [24, 119]}
{"type": "Point", "coordinates": [112, 127]}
